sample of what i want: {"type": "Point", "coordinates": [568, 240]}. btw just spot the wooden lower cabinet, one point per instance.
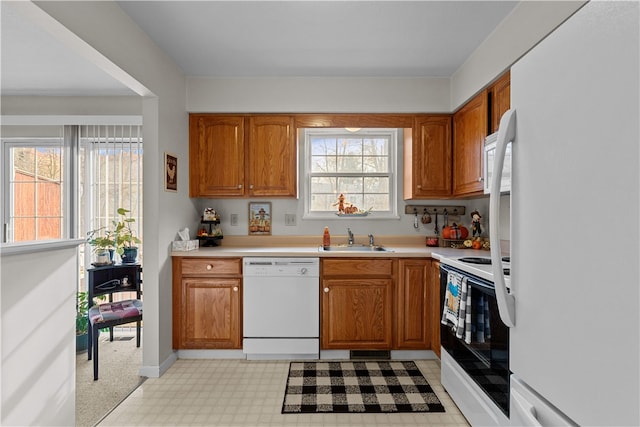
{"type": "Point", "coordinates": [435, 307]}
{"type": "Point", "coordinates": [357, 304]}
{"type": "Point", "coordinates": [413, 305]}
{"type": "Point", "coordinates": [207, 301]}
{"type": "Point", "coordinates": [379, 304]}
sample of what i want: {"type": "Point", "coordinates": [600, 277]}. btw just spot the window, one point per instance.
{"type": "Point", "coordinates": [358, 164]}
{"type": "Point", "coordinates": [60, 181]}
{"type": "Point", "coordinates": [111, 164]}
{"type": "Point", "coordinates": [37, 186]}
{"type": "Point", "coordinates": [111, 167]}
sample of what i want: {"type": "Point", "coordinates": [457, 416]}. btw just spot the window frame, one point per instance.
{"type": "Point", "coordinates": [306, 162]}
{"type": "Point", "coordinates": [67, 179]}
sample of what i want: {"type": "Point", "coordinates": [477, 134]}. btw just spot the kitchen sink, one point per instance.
{"type": "Point", "coordinates": [353, 248]}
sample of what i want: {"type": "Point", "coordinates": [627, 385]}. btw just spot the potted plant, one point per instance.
{"type": "Point", "coordinates": [125, 240]}
{"type": "Point", "coordinates": [82, 321]}
{"type": "Point", "coordinates": [104, 244]}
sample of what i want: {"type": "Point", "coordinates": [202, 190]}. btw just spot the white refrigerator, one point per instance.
{"type": "Point", "coordinates": [574, 299]}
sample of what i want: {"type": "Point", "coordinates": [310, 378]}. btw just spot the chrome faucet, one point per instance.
{"type": "Point", "coordinates": [350, 236]}
{"type": "Point", "coordinates": [371, 242]}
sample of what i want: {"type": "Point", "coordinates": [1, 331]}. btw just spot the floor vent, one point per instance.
{"type": "Point", "coordinates": [370, 354]}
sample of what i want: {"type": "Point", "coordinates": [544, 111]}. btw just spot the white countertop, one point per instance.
{"type": "Point", "coordinates": [398, 248]}
{"type": "Point", "coordinates": [393, 251]}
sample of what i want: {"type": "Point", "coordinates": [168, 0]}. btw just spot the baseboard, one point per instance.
{"type": "Point", "coordinates": [211, 354]}
{"type": "Point", "coordinates": [157, 371]}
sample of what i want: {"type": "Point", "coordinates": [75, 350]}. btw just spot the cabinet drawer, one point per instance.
{"type": "Point", "coordinates": [357, 267]}
{"type": "Point", "coordinates": [211, 266]}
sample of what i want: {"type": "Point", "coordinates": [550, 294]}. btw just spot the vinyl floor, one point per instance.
{"type": "Point", "coordinates": [250, 393]}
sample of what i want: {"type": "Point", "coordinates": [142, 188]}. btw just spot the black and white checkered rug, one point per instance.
{"type": "Point", "coordinates": [358, 386]}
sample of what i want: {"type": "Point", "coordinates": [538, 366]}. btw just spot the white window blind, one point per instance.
{"type": "Point", "coordinates": [112, 167]}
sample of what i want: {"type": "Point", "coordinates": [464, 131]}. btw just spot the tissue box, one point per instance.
{"type": "Point", "coordinates": [184, 245]}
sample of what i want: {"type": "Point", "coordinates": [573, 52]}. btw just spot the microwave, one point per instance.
{"type": "Point", "coordinates": [489, 157]}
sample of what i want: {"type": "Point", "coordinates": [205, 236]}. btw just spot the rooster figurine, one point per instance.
{"type": "Point", "coordinates": [171, 173]}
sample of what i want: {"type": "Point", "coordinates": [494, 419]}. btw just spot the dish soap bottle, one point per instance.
{"type": "Point", "coordinates": [326, 238]}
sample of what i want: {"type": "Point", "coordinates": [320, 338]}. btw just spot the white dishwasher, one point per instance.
{"type": "Point", "coordinates": [281, 308]}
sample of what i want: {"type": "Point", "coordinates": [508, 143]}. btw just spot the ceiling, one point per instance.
{"type": "Point", "coordinates": [33, 62]}
{"type": "Point", "coordinates": [264, 39]}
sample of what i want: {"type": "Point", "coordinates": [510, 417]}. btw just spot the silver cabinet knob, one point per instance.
{"type": "Point", "coordinates": [239, 185]}
{"type": "Point", "coordinates": [209, 267]}
{"type": "Point", "coordinates": [480, 179]}
{"type": "Point", "coordinates": [326, 290]}
{"type": "Point", "coordinates": [235, 289]}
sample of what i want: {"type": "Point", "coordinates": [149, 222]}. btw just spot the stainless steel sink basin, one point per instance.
{"type": "Point", "coordinates": [354, 248]}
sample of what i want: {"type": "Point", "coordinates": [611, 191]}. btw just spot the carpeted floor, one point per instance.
{"type": "Point", "coordinates": [358, 386]}
{"type": "Point", "coordinates": [120, 361]}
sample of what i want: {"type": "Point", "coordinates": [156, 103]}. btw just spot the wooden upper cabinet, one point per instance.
{"type": "Point", "coordinates": [427, 158]}
{"type": "Point", "coordinates": [272, 156]}
{"type": "Point", "coordinates": [500, 95]}
{"type": "Point", "coordinates": [242, 156]}
{"type": "Point", "coordinates": [216, 155]}
{"type": "Point", "coordinates": [470, 126]}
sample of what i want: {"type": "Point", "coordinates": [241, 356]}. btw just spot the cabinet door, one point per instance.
{"type": "Point", "coordinates": [356, 314]}
{"type": "Point", "coordinates": [216, 155]}
{"type": "Point", "coordinates": [272, 158]}
{"type": "Point", "coordinates": [500, 99]}
{"type": "Point", "coordinates": [211, 313]}
{"type": "Point", "coordinates": [427, 158]}
{"type": "Point", "coordinates": [413, 304]}
{"type": "Point", "coordinates": [435, 307]}
{"type": "Point", "coordinates": [469, 132]}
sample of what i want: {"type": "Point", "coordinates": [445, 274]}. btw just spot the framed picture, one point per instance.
{"type": "Point", "coordinates": [259, 218]}
{"type": "Point", "coordinates": [170, 172]}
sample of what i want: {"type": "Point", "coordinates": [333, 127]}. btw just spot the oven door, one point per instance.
{"type": "Point", "coordinates": [485, 356]}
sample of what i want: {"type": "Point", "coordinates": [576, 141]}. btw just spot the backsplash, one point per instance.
{"type": "Point", "coordinates": [361, 227]}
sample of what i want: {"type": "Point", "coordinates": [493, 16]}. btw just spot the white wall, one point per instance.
{"type": "Point", "coordinates": [523, 28]}
{"type": "Point", "coordinates": [37, 307]}
{"type": "Point", "coordinates": [110, 32]}
{"type": "Point", "coordinates": [318, 94]}
{"type": "Point", "coordinates": [527, 24]}
{"type": "Point", "coordinates": [71, 105]}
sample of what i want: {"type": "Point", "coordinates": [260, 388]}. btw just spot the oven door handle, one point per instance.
{"type": "Point", "coordinates": [506, 301]}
